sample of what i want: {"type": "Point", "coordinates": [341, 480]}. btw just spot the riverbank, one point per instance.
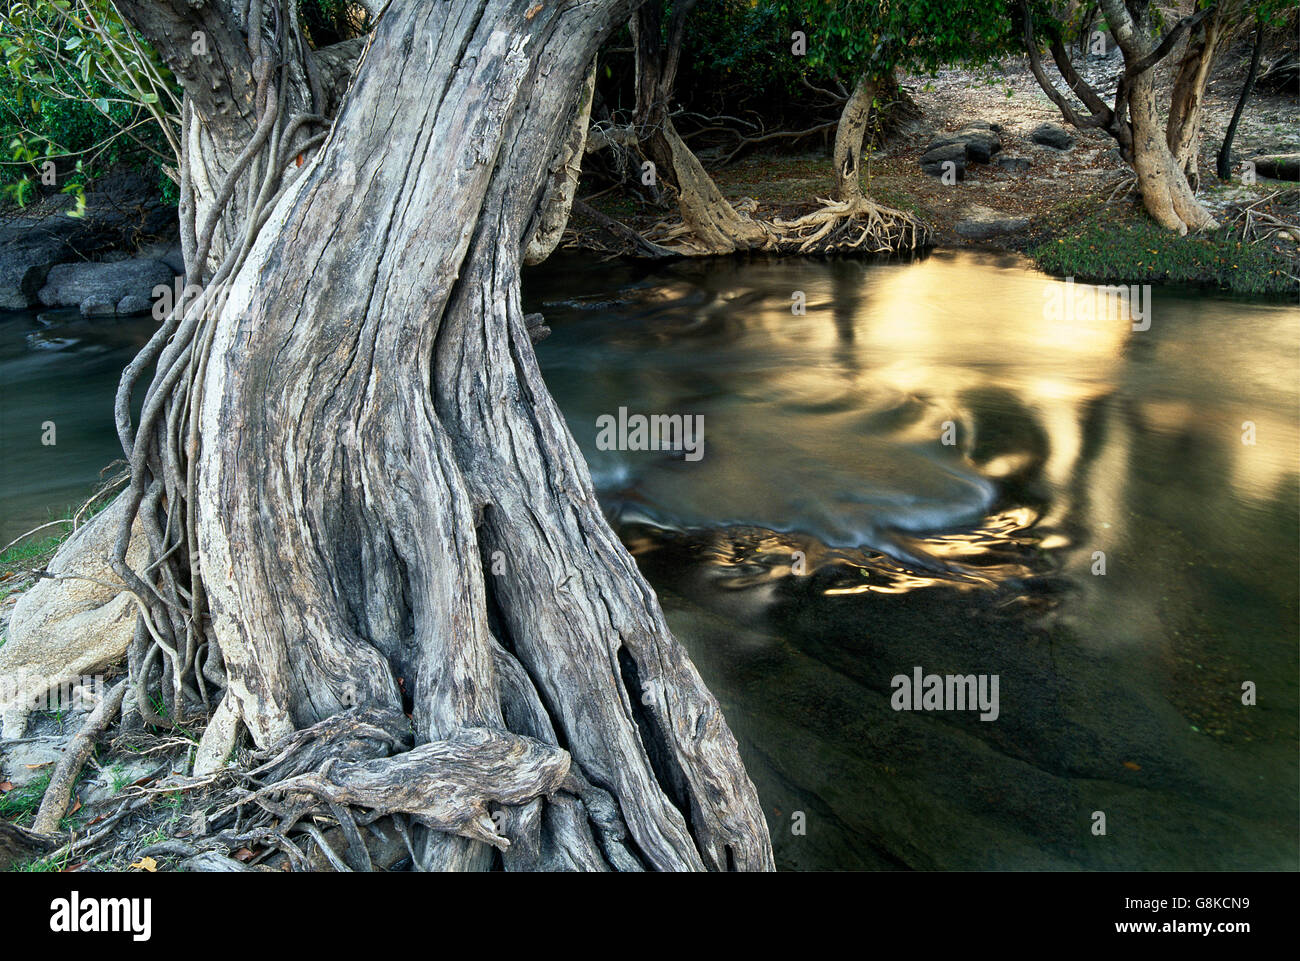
{"type": "Point", "coordinates": [1067, 207]}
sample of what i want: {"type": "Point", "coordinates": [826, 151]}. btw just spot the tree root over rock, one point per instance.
{"type": "Point", "coordinates": [352, 794]}
{"type": "Point", "coordinates": [445, 785]}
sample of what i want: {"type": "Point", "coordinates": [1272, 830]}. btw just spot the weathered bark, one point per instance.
{"type": "Point", "coordinates": [848, 139]}
{"type": "Point", "coordinates": [224, 65]}
{"type": "Point", "coordinates": [1183, 128]}
{"type": "Point", "coordinates": [372, 429]}
{"type": "Point", "coordinates": [1166, 193]}
{"type": "Point", "coordinates": [55, 802]}
{"type": "Point", "coordinates": [562, 186]}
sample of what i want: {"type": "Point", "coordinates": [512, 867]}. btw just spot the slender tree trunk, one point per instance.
{"type": "Point", "coordinates": [848, 140]}
{"type": "Point", "coordinates": [390, 511]}
{"type": "Point", "coordinates": [1223, 162]}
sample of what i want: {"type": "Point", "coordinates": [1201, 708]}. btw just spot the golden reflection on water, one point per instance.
{"type": "Point", "coordinates": [829, 422]}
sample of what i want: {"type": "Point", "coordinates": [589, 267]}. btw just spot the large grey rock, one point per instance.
{"type": "Point", "coordinates": [933, 160]}
{"type": "Point", "coordinates": [1278, 167]}
{"type": "Point", "coordinates": [28, 249]}
{"type": "Point", "coordinates": [979, 141]}
{"type": "Point", "coordinates": [61, 630]}
{"type": "Point", "coordinates": [98, 287]}
{"type": "Point", "coordinates": [134, 304]}
{"type": "Point", "coordinates": [983, 223]}
{"type": "Point", "coordinates": [169, 253]}
{"type": "Point", "coordinates": [1052, 135]}
{"type": "Point", "coordinates": [123, 212]}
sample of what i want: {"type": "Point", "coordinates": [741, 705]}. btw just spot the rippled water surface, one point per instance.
{"type": "Point", "coordinates": [828, 540]}
{"type": "Point", "coordinates": [1119, 693]}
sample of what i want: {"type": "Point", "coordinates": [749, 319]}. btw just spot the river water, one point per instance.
{"type": "Point", "coordinates": [928, 468]}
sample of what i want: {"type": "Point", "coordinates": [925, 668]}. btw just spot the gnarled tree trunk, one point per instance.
{"type": "Point", "coordinates": [1166, 192]}
{"type": "Point", "coordinates": [1163, 154]}
{"type": "Point", "coordinates": [711, 222]}
{"type": "Point", "coordinates": [388, 510]}
{"type": "Point", "coordinates": [1183, 130]}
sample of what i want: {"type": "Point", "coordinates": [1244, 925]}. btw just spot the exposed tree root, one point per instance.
{"type": "Point", "coordinates": [19, 845]}
{"type": "Point", "coordinates": [446, 785]}
{"type": "Point", "coordinates": [343, 793]}
{"type": "Point", "coordinates": [858, 226]}
{"type": "Point", "coordinates": [55, 802]}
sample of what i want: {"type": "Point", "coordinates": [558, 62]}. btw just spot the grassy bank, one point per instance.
{"type": "Point", "coordinates": [1095, 242]}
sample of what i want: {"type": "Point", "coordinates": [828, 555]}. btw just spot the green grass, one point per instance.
{"type": "Point", "coordinates": [21, 804]}
{"type": "Point", "coordinates": [29, 549]}
{"type": "Point", "coordinates": [42, 865]}
{"type": "Point", "coordinates": [1098, 243]}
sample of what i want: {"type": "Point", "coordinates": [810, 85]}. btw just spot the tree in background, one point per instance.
{"type": "Point", "coordinates": [710, 223]}
{"type": "Point", "coordinates": [1269, 15]}
{"type": "Point", "coordinates": [1161, 144]}
{"type": "Point", "coordinates": [865, 45]}
{"type": "Point", "coordinates": [80, 92]}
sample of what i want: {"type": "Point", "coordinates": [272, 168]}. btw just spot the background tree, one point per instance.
{"type": "Point", "coordinates": [1268, 15]}
{"type": "Point", "coordinates": [710, 223]}
{"type": "Point", "coordinates": [82, 91]}
{"type": "Point", "coordinates": [865, 45]}
{"type": "Point", "coordinates": [1161, 145]}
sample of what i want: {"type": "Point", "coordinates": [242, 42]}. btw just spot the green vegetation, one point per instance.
{"type": "Point", "coordinates": [33, 553]}
{"type": "Point", "coordinates": [20, 804]}
{"type": "Point", "coordinates": [1096, 242]}
{"type": "Point", "coordinates": [80, 94]}
{"type": "Point", "coordinates": [847, 37]}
